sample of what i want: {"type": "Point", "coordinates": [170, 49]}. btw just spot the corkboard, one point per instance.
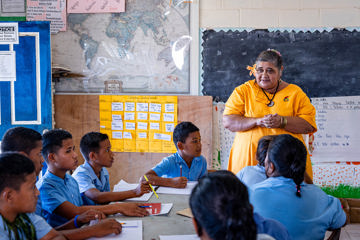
{"type": "Point", "coordinates": [79, 114]}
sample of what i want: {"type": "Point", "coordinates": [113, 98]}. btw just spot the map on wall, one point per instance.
{"type": "Point", "coordinates": [144, 49]}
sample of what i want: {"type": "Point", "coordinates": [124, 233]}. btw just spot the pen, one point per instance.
{"type": "Point", "coordinates": [180, 170]}
{"type": "Point", "coordinates": [151, 187]}
{"type": "Point", "coordinates": [144, 206]}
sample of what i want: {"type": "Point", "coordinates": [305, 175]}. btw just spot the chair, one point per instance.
{"type": "Point", "coordinates": [335, 234]}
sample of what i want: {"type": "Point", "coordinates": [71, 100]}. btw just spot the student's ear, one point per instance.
{"type": "Point", "coordinates": [180, 145]}
{"type": "Point", "coordinates": [23, 153]}
{"type": "Point", "coordinates": [51, 157]}
{"type": "Point", "coordinates": [195, 226]}
{"type": "Point", "coordinates": [271, 169]}
{"type": "Point", "coordinates": [6, 194]}
{"type": "Point", "coordinates": [92, 156]}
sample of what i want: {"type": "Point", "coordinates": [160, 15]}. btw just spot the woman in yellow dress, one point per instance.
{"type": "Point", "coordinates": [264, 106]}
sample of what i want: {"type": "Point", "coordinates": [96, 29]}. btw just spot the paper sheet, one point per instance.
{"type": "Point", "coordinates": [124, 186]}
{"type": "Point", "coordinates": [165, 209]}
{"type": "Point", "coordinates": [183, 191]}
{"type": "Point", "coordinates": [96, 6]}
{"type": "Point", "coordinates": [130, 230]}
{"type": "Point", "coordinates": [179, 237]}
{"type": "Point", "coordinates": [7, 66]}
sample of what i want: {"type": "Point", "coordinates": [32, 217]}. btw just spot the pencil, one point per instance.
{"type": "Point", "coordinates": [151, 187]}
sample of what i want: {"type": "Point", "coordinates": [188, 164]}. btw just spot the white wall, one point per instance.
{"type": "Point", "coordinates": [279, 13]}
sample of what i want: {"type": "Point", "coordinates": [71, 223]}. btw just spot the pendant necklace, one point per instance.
{"type": "Point", "coordinates": [271, 102]}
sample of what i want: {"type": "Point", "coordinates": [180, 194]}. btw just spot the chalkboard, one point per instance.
{"type": "Point", "coordinates": [323, 64]}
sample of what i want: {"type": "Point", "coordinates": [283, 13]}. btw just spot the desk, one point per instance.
{"type": "Point", "coordinates": [171, 224]}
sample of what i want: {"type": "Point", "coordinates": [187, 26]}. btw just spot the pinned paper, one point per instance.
{"type": "Point", "coordinates": [142, 135]}
{"type": "Point", "coordinates": [117, 125]}
{"type": "Point", "coordinates": [154, 117]}
{"type": "Point", "coordinates": [127, 135]}
{"type": "Point", "coordinates": [129, 116]}
{"type": "Point", "coordinates": [142, 107]}
{"type": "Point", "coordinates": [169, 107]}
{"type": "Point", "coordinates": [117, 135]}
{"type": "Point", "coordinates": [9, 33]}
{"type": "Point", "coordinates": [117, 106]}
{"type": "Point", "coordinates": [169, 127]}
{"type": "Point", "coordinates": [142, 116]}
{"type": "Point", "coordinates": [116, 117]}
{"type": "Point", "coordinates": [7, 66]}
{"type": "Point", "coordinates": [96, 6]}
{"type": "Point", "coordinates": [142, 125]}
{"type": "Point", "coordinates": [130, 126]}
{"type": "Point", "coordinates": [129, 106]}
{"type": "Point", "coordinates": [155, 107]}
{"type": "Point", "coordinates": [168, 117]}
{"type": "Point", "coordinates": [154, 126]}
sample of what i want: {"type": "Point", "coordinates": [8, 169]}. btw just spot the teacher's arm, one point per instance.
{"type": "Point", "coordinates": [238, 123]}
{"type": "Point", "coordinates": [298, 125]}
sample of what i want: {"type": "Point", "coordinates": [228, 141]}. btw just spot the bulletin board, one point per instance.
{"type": "Point", "coordinates": [139, 123]}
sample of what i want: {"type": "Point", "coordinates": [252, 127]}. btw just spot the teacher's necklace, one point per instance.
{"type": "Point", "coordinates": [271, 102]}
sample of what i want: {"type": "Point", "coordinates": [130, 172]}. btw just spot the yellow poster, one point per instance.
{"type": "Point", "coordinates": [139, 123]}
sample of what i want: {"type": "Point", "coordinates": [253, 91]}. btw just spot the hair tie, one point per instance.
{"type": "Point", "coordinates": [275, 51]}
{"type": "Point", "coordinates": [252, 69]}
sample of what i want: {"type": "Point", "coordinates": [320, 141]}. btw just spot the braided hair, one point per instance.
{"type": "Point", "coordinates": [288, 154]}
{"type": "Point", "coordinates": [220, 205]}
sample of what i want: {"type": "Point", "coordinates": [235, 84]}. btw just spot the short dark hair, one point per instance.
{"type": "Point", "coordinates": [14, 168]}
{"type": "Point", "coordinates": [288, 154]}
{"type": "Point", "coordinates": [270, 55]}
{"type": "Point", "coordinates": [262, 148]}
{"type": "Point", "coordinates": [20, 139]}
{"type": "Point", "coordinates": [90, 142]}
{"type": "Point", "coordinates": [220, 205]}
{"type": "Point", "coordinates": [182, 131]}
{"type": "Point", "coordinates": [52, 141]}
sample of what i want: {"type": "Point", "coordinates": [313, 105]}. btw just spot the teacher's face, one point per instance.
{"type": "Point", "coordinates": [267, 75]}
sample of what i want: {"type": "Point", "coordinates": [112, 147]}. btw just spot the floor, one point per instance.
{"type": "Point", "coordinates": [349, 232]}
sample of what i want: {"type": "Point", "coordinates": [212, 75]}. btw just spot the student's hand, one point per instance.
{"type": "Point", "coordinates": [88, 216]}
{"type": "Point", "coordinates": [142, 188]}
{"type": "Point", "coordinates": [132, 209]}
{"type": "Point", "coordinates": [106, 227]}
{"type": "Point", "coordinates": [179, 182]}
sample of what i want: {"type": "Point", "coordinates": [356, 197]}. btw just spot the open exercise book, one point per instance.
{"type": "Point", "coordinates": [131, 230]}
{"type": "Point", "coordinates": [183, 191]}
{"type": "Point", "coordinates": [124, 186]}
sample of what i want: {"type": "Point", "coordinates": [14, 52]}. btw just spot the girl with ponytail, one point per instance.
{"type": "Point", "coordinates": [305, 210]}
{"type": "Point", "coordinates": [222, 211]}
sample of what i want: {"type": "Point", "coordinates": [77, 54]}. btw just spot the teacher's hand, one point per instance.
{"type": "Point", "coordinates": [271, 121]}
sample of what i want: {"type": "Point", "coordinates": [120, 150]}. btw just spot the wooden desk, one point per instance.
{"type": "Point", "coordinates": [171, 224]}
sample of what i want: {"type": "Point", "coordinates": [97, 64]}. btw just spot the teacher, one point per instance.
{"type": "Point", "coordinates": [266, 105]}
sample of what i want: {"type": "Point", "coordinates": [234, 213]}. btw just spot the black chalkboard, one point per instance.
{"type": "Point", "coordinates": [323, 64]}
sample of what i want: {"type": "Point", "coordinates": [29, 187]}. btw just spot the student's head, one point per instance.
{"type": "Point", "coordinates": [25, 141]}
{"type": "Point", "coordinates": [17, 182]}
{"type": "Point", "coordinates": [59, 148]}
{"type": "Point", "coordinates": [96, 148]}
{"type": "Point", "coordinates": [221, 208]}
{"type": "Point", "coordinates": [187, 139]}
{"type": "Point", "coordinates": [286, 157]}
{"type": "Point", "coordinates": [262, 149]}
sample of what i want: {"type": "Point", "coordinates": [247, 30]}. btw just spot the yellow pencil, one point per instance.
{"type": "Point", "coordinates": [151, 187]}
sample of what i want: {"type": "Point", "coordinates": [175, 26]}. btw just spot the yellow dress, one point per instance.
{"type": "Point", "coordinates": [248, 100]}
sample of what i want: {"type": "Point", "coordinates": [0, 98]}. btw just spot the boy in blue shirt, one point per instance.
{"type": "Point", "coordinates": [28, 142]}
{"type": "Point", "coordinates": [186, 164]}
{"type": "Point", "coordinates": [59, 191]}
{"type": "Point", "coordinates": [18, 197]}
{"type": "Point", "coordinates": [92, 176]}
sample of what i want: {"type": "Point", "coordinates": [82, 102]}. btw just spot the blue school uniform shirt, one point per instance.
{"type": "Point", "coordinates": [41, 227]}
{"type": "Point", "coordinates": [251, 175]}
{"type": "Point", "coordinates": [305, 217]}
{"type": "Point", "coordinates": [271, 227]}
{"type": "Point", "coordinates": [53, 192]}
{"type": "Point", "coordinates": [87, 179]}
{"type": "Point", "coordinates": [169, 167]}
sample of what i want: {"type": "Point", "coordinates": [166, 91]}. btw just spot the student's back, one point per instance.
{"type": "Point", "coordinates": [305, 210]}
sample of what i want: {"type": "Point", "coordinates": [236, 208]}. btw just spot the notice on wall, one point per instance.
{"type": "Point", "coordinates": [9, 33]}
{"type": "Point", "coordinates": [139, 123]}
{"type": "Point", "coordinates": [7, 66]}
{"type": "Point", "coordinates": [96, 6]}
{"type": "Point", "coordinates": [48, 10]}
{"type": "Point", "coordinates": [13, 6]}
{"type": "Point", "coordinates": [337, 138]}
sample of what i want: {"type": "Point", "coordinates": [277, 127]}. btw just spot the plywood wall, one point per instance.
{"type": "Point", "coordinates": [79, 114]}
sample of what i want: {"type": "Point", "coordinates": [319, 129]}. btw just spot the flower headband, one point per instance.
{"type": "Point", "coordinates": [275, 51]}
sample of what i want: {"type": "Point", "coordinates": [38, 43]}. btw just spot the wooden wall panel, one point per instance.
{"type": "Point", "coordinates": [79, 114]}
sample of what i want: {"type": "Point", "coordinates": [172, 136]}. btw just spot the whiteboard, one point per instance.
{"type": "Point", "coordinates": [338, 135]}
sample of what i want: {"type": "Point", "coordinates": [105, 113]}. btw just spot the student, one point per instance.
{"type": "Point", "coordinates": [61, 199]}
{"type": "Point", "coordinates": [18, 197]}
{"type": "Point", "coordinates": [28, 142]}
{"type": "Point", "coordinates": [221, 210]}
{"type": "Point", "coordinates": [305, 210]}
{"type": "Point", "coordinates": [92, 176]}
{"type": "Point", "coordinates": [186, 164]}
{"type": "Point", "coordinates": [251, 175]}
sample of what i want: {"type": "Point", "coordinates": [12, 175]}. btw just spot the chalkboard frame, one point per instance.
{"type": "Point", "coordinates": [313, 86]}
